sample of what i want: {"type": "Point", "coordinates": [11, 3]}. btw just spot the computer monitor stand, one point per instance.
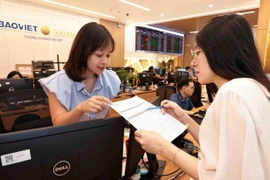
{"type": "Point", "coordinates": [150, 176]}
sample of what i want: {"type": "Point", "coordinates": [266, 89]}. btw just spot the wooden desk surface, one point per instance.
{"type": "Point", "coordinates": [9, 117]}
{"type": "Point", "coordinates": [170, 166]}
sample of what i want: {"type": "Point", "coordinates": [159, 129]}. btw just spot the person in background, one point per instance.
{"type": "Point", "coordinates": [191, 73]}
{"type": "Point", "coordinates": [183, 96]}
{"type": "Point", "coordinates": [14, 75]}
{"type": "Point", "coordinates": [157, 78]}
{"type": "Point", "coordinates": [84, 88]}
{"type": "Point", "coordinates": [234, 135]}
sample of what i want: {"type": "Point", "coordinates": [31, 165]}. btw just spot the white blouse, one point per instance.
{"type": "Point", "coordinates": [235, 133]}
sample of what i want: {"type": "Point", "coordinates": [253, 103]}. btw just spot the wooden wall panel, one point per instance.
{"type": "Point", "coordinates": [263, 32]}
{"type": "Point", "coordinates": [267, 59]}
{"type": "Point", "coordinates": [118, 33]}
{"type": "Point", "coordinates": [189, 45]}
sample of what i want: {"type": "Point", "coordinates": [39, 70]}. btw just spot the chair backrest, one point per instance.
{"type": "Point", "coordinates": [30, 121]}
{"type": "Point", "coordinates": [164, 92]}
{"type": "Point", "coordinates": [155, 101]}
{"type": "Point", "coordinates": [26, 118]}
{"type": "Point", "coordinates": [196, 96]}
{"type": "Point", "coordinates": [211, 91]}
{"type": "Point", "coordinates": [2, 128]}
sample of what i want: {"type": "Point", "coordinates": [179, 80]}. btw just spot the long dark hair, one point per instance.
{"type": "Point", "coordinates": [90, 38]}
{"type": "Point", "coordinates": [228, 44]}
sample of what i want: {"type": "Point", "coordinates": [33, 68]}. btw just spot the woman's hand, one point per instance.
{"type": "Point", "coordinates": [174, 110]}
{"type": "Point", "coordinates": [150, 141]}
{"type": "Point", "coordinates": [94, 104]}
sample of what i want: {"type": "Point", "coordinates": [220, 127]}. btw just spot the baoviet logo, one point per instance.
{"type": "Point", "coordinates": [45, 30]}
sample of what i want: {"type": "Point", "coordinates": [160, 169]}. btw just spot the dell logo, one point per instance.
{"type": "Point", "coordinates": [61, 168]}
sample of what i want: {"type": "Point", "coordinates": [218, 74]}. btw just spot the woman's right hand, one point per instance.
{"type": "Point", "coordinates": [173, 109]}
{"type": "Point", "coordinates": [94, 104]}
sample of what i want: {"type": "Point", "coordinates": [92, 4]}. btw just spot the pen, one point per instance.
{"type": "Point", "coordinates": [157, 107]}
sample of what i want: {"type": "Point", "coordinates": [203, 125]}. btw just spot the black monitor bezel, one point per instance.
{"type": "Point", "coordinates": [116, 123]}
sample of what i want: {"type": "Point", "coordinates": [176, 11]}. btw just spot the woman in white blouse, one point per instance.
{"type": "Point", "coordinates": [234, 136]}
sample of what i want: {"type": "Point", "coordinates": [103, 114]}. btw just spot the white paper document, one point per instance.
{"type": "Point", "coordinates": [134, 110]}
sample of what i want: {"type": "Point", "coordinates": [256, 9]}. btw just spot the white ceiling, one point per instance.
{"type": "Point", "coordinates": [172, 9]}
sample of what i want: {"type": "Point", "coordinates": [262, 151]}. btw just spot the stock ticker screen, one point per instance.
{"type": "Point", "coordinates": [150, 40]}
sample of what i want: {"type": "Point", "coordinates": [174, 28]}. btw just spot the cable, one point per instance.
{"type": "Point", "coordinates": [178, 175]}
{"type": "Point", "coordinates": [159, 175]}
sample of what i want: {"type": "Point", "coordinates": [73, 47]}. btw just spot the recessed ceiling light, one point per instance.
{"type": "Point", "coordinates": [135, 5]}
{"type": "Point", "coordinates": [80, 9]}
{"type": "Point", "coordinates": [247, 12]}
{"type": "Point", "coordinates": [193, 32]}
{"type": "Point", "coordinates": [211, 5]}
{"type": "Point", "coordinates": [161, 14]}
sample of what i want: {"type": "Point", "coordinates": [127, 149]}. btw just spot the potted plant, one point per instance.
{"type": "Point", "coordinates": [127, 78]}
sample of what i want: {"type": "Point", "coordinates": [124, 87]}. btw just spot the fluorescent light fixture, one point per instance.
{"type": "Point", "coordinates": [247, 12]}
{"type": "Point", "coordinates": [161, 14]}
{"type": "Point", "coordinates": [193, 32]}
{"type": "Point", "coordinates": [255, 26]}
{"type": "Point", "coordinates": [206, 14]}
{"type": "Point", "coordinates": [79, 9]}
{"type": "Point", "coordinates": [19, 15]}
{"type": "Point", "coordinates": [163, 30]}
{"type": "Point", "coordinates": [135, 5]}
{"type": "Point", "coordinates": [211, 5]}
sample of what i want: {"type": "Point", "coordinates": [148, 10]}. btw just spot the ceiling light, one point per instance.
{"type": "Point", "coordinates": [135, 5]}
{"type": "Point", "coordinates": [206, 14]}
{"type": "Point", "coordinates": [211, 5]}
{"type": "Point", "coordinates": [161, 14]}
{"type": "Point", "coordinates": [247, 12]}
{"type": "Point", "coordinates": [159, 29]}
{"type": "Point", "coordinates": [255, 26]}
{"type": "Point", "coordinates": [193, 32]}
{"type": "Point", "coordinates": [79, 9]}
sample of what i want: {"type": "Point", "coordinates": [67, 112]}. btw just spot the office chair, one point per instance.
{"type": "Point", "coordinates": [155, 101]}
{"type": "Point", "coordinates": [196, 96]}
{"type": "Point", "coordinates": [211, 91]}
{"type": "Point", "coordinates": [164, 92]}
{"type": "Point", "coordinates": [31, 121]}
{"type": "Point", "coordinates": [2, 128]}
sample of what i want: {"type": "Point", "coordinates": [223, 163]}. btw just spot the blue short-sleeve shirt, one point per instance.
{"type": "Point", "coordinates": [70, 93]}
{"type": "Point", "coordinates": [185, 104]}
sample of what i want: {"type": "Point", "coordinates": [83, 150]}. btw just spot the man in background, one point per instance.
{"type": "Point", "coordinates": [183, 96]}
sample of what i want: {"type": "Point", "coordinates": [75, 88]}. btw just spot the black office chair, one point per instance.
{"type": "Point", "coordinates": [164, 92]}
{"type": "Point", "coordinates": [31, 121]}
{"type": "Point", "coordinates": [211, 91]}
{"type": "Point", "coordinates": [196, 96]}
{"type": "Point", "coordinates": [155, 101]}
{"type": "Point", "coordinates": [2, 128]}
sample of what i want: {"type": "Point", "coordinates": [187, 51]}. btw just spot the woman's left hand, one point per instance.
{"type": "Point", "coordinates": [151, 142]}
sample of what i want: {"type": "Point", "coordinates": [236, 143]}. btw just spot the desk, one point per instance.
{"type": "Point", "coordinates": [170, 166]}
{"type": "Point", "coordinates": [9, 117]}
{"type": "Point", "coordinates": [148, 95]}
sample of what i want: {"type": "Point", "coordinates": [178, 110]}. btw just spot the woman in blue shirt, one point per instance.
{"type": "Point", "coordinates": [84, 88]}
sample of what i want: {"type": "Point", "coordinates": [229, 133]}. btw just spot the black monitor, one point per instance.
{"type": "Point", "coordinates": [42, 73]}
{"type": "Point", "coordinates": [84, 150]}
{"type": "Point", "coordinates": [9, 85]}
{"type": "Point", "coordinates": [179, 75]}
{"type": "Point", "coordinates": [145, 78]}
{"type": "Point", "coordinates": [171, 77]}
{"type": "Point", "coordinates": [43, 65]}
